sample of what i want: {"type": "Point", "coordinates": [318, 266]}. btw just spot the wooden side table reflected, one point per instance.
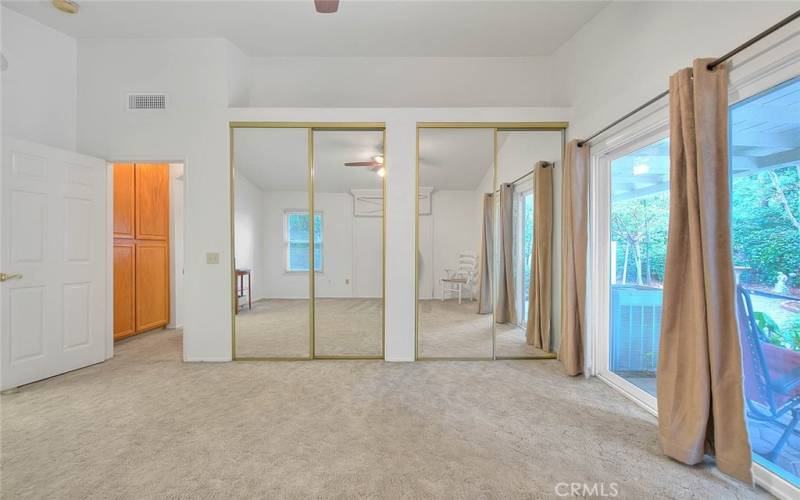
{"type": "Point", "coordinates": [241, 274]}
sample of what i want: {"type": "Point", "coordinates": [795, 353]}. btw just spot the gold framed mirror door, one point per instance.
{"type": "Point", "coordinates": [471, 240]}
{"type": "Point", "coordinates": [294, 209]}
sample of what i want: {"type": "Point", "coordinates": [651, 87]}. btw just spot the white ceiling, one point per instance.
{"type": "Point", "coordinates": [454, 158]}
{"type": "Point", "coordinates": [766, 130]}
{"type": "Point", "coordinates": [277, 159]}
{"type": "Point", "coordinates": [432, 28]}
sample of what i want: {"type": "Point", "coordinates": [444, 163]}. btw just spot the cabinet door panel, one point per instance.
{"type": "Point", "coordinates": [124, 204]}
{"type": "Point", "coordinates": [152, 285]}
{"type": "Point", "coordinates": [124, 289]}
{"type": "Point", "coordinates": [152, 201]}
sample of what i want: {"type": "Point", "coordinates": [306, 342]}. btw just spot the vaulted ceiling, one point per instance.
{"type": "Point", "coordinates": [381, 28]}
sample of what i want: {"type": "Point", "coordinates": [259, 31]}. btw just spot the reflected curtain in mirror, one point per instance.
{"type": "Point", "coordinates": [487, 257]}
{"type": "Point", "coordinates": [539, 295]}
{"type": "Point", "coordinates": [505, 310]}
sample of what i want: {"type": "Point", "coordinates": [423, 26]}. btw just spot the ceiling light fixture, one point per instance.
{"type": "Point", "coordinates": [381, 172]}
{"type": "Point", "coordinates": [68, 6]}
{"type": "Point", "coordinates": [378, 159]}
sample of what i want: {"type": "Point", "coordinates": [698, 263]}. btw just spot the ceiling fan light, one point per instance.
{"type": "Point", "coordinates": [378, 159]}
{"type": "Point", "coordinates": [68, 6]}
{"type": "Point", "coordinates": [381, 172]}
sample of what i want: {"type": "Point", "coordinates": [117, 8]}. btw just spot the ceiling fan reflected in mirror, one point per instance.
{"type": "Point", "coordinates": [326, 6]}
{"type": "Point", "coordinates": [374, 165]}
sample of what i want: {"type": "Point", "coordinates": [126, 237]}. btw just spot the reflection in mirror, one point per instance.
{"type": "Point", "coordinates": [271, 243]}
{"type": "Point", "coordinates": [516, 211]}
{"type": "Point", "coordinates": [348, 198]}
{"type": "Point", "coordinates": [456, 175]}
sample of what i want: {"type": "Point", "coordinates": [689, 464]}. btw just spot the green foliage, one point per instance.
{"type": "Point", "coordinates": [789, 338]}
{"type": "Point", "coordinates": [641, 223]}
{"type": "Point", "coordinates": [765, 239]}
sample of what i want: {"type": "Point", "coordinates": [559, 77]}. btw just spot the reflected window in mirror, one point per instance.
{"type": "Point", "coordinates": [296, 242]}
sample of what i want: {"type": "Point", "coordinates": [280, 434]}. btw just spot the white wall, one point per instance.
{"type": "Point", "coordinates": [455, 223]}
{"type": "Point", "coordinates": [402, 81]}
{"type": "Point", "coordinates": [351, 248]}
{"type": "Point", "coordinates": [249, 238]}
{"type": "Point", "coordinates": [39, 88]}
{"type": "Point", "coordinates": [625, 55]}
{"type": "Point", "coordinates": [194, 130]}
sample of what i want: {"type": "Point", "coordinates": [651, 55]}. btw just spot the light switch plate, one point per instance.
{"type": "Point", "coordinates": [212, 257]}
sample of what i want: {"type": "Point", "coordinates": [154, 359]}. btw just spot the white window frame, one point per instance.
{"type": "Point", "coordinates": [600, 274]}
{"type": "Point", "coordinates": [302, 211]}
{"type": "Point", "coordinates": [748, 76]}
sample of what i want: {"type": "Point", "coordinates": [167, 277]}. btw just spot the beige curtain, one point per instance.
{"type": "Point", "coordinates": [487, 257]}
{"type": "Point", "coordinates": [575, 200]}
{"type": "Point", "coordinates": [699, 379]}
{"type": "Point", "coordinates": [505, 308]}
{"type": "Point", "coordinates": [539, 292]}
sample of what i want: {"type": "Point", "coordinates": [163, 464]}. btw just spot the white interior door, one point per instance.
{"type": "Point", "coordinates": [54, 238]}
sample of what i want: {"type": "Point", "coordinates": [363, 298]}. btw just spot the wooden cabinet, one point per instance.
{"type": "Point", "coordinates": [152, 285]}
{"type": "Point", "coordinates": [152, 202]}
{"type": "Point", "coordinates": [141, 248]}
{"type": "Point", "coordinates": [124, 288]}
{"type": "Point", "coordinates": [124, 203]}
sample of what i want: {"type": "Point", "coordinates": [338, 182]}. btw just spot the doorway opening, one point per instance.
{"type": "Point", "coordinates": [148, 242]}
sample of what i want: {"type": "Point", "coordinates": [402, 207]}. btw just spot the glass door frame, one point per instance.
{"type": "Point", "coordinates": [599, 275]}
{"type": "Point", "coordinates": [495, 127]}
{"type": "Point", "coordinates": [311, 127]}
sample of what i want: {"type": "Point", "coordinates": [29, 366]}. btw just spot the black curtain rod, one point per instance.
{"type": "Point", "coordinates": [546, 165]}
{"type": "Point", "coordinates": [713, 64]}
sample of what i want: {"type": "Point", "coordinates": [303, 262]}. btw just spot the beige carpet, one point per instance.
{"type": "Point", "coordinates": [452, 330]}
{"type": "Point", "coordinates": [280, 328]}
{"type": "Point", "coordinates": [145, 425]}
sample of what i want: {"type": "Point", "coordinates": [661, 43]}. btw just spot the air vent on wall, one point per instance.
{"type": "Point", "coordinates": [147, 101]}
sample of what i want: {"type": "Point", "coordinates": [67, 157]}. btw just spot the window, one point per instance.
{"type": "Point", "coordinates": [296, 241]}
{"type": "Point", "coordinates": [523, 240]}
{"type": "Point", "coordinates": [639, 217]}
{"type": "Point", "coordinates": [765, 156]}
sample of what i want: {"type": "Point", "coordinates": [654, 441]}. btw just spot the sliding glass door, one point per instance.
{"type": "Point", "coordinates": [631, 216]}
{"type": "Point", "coordinates": [634, 224]}
{"type": "Point", "coordinates": [765, 161]}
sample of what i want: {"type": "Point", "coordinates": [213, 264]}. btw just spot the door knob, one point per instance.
{"type": "Point", "coordinates": [6, 277]}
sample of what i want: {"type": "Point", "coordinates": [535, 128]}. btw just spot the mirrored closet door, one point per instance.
{"type": "Point", "coordinates": [348, 198]}
{"type": "Point", "coordinates": [482, 260]}
{"type": "Point", "coordinates": [307, 224]}
{"type": "Point", "coordinates": [455, 243]}
{"type": "Point", "coordinates": [272, 253]}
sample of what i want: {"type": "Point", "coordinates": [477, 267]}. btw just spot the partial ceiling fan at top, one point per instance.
{"type": "Point", "coordinates": [374, 165]}
{"type": "Point", "coordinates": [326, 6]}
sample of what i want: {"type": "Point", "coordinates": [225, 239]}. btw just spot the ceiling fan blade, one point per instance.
{"type": "Point", "coordinates": [326, 6]}
{"type": "Point", "coordinates": [361, 164]}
